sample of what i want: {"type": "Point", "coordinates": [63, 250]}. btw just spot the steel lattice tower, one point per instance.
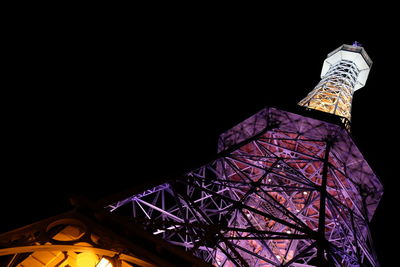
{"type": "Point", "coordinates": [345, 70]}
{"type": "Point", "coordinates": [287, 189]}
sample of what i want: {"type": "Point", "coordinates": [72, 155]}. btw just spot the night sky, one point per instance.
{"type": "Point", "coordinates": [100, 108]}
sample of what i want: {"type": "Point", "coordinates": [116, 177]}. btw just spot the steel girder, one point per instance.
{"type": "Point", "coordinates": [259, 203]}
{"type": "Point", "coordinates": [334, 93]}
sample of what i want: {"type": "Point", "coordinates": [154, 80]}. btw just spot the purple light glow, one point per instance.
{"type": "Point", "coordinates": [260, 200]}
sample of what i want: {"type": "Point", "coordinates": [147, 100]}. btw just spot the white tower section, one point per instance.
{"type": "Point", "coordinates": [344, 71]}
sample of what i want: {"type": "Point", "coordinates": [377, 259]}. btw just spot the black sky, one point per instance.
{"type": "Point", "coordinates": [98, 108]}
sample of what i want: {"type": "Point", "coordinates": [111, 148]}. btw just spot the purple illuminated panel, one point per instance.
{"type": "Point", "coordinates": [344, 149]}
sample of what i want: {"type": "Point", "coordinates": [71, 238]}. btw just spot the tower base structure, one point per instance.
{"type": "Point", "coordinates": [285, 190]}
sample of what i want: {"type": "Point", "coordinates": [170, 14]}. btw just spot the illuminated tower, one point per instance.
{"type": "Point", "coordinates": [345, 70]}
{"type": "Point", "coordinates": [287, 189]}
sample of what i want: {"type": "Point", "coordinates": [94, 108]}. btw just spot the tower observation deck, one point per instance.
{"type": "Point", "coordinates": [344, 71]}
{"type": "Point", "coordinates": [286, 189]}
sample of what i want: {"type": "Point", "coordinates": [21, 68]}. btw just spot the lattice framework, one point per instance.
{"type": "Point", "coordinates": [259, 204]}
{"type": "Point", "coordinates": [334, 93]}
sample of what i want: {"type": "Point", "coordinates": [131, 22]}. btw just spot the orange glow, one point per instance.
{"type": "Point", "coordinates": [86, 259]}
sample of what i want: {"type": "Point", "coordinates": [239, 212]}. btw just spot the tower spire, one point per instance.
{"type": "Point", "coordinates": [344, 71]}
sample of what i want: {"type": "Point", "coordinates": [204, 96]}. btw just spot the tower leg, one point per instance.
{"type": "Point", "coordinates": [321, 241]}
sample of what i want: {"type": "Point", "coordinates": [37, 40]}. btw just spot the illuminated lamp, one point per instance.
{"type": "Point", "coordinates": [104, 262]}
